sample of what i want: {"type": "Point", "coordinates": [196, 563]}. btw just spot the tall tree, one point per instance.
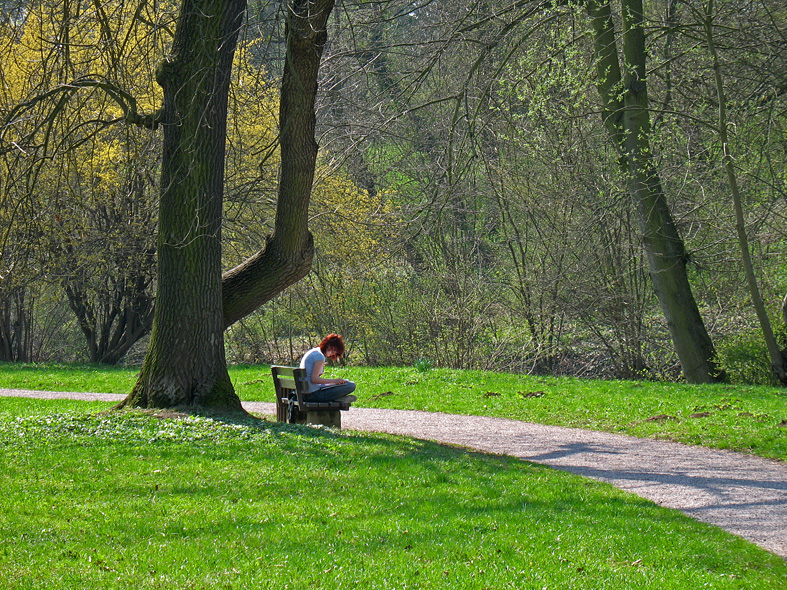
{"type": "Point", "coordinates": [775, 352]}
{"type": "Point", "coordinates": [624, 94]}
{"type": "Point", "coordinates": [185, 364]}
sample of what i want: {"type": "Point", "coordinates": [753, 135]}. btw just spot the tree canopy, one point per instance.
{"type": "Point", "coordinates": [544, 183]}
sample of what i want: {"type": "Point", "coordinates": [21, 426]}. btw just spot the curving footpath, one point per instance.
{"type": "Point", "coordinates": [742, 494]}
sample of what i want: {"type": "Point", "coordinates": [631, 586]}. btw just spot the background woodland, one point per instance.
{"type": "Point", "coordinates": [469, 211]}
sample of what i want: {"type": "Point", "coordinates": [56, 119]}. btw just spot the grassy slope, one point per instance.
{"type": "Point", "coordinates": [128, 500]}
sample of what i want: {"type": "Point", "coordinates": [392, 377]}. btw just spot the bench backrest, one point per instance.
{"type": "Point", "coordinates": [289, 380]}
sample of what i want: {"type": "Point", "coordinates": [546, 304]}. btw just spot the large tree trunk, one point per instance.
{"type": "Point", "coordinates": [185, 364]}
{"type": "Point", "coordinates": [627, 119]}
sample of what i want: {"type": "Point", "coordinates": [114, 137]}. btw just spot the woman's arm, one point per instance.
{"type": "Point", "coordinates": [317, 379]}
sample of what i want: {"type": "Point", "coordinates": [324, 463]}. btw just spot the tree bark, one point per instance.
{"type": "Point", "coordinates": [627, 120]}
{"type": "Point", "coordinates": [185, 364]}
{"type": "Point", "coordinates": [287, 256]}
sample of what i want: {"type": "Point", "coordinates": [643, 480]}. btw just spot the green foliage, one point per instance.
{"type": "Point", "coordinates": [468, 206]}
{"type": "Point", "coordinates": [422, 365]}
{"type": "Point", "coordinates": [130, 500]}
{"type": "Point", "coordinates": [745, 359]}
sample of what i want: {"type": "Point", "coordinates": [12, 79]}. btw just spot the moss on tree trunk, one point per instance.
{"type": "Point", "coordinates": [185, 365]}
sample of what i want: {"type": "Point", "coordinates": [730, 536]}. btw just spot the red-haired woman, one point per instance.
{"type": "Point", "coordinates": [321, 389]}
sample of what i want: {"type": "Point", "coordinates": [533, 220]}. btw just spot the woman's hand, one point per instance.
{"type": "Point", "coordinates": [317, 378]}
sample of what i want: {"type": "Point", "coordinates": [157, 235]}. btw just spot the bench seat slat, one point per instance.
{"type": "Point", "coordinates": [321, 405]}
{"type": "Point", "coordinates": [325, 405]}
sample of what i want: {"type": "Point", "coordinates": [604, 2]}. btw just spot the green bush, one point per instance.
{"type": "Point", "coordinates": [745, 359]}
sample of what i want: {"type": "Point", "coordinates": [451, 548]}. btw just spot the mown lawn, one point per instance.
{"type": "Point", "coordinates": [134, 501]}
{"type": "Point", "coordinates": [742, 418]}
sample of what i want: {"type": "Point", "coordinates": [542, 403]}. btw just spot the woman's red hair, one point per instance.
{"type": "Point", "coordinates": [332, 341]}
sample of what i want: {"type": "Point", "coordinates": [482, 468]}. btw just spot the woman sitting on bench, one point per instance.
{"type": "Point", "coordinates": [321, 389]}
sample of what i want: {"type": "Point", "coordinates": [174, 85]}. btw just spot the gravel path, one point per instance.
{"type": "Point", "coordinates": [742, 494]}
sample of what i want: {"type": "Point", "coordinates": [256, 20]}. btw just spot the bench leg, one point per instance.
{"type": "Point", "coordinates": [332, 418]}
{"type": "Point", "coordinates": [294, 415]}
{"type": "Point", "coordinates": [282, 408]}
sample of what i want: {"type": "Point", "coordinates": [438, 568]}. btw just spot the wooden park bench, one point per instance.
{"type": "Point", "coordinates": [291, 384]}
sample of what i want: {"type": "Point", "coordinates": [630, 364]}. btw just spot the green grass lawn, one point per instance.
{"type": "Point", "coordinates": [743, 418]}
{"type": "Point", "coordinates": [128, 500]}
